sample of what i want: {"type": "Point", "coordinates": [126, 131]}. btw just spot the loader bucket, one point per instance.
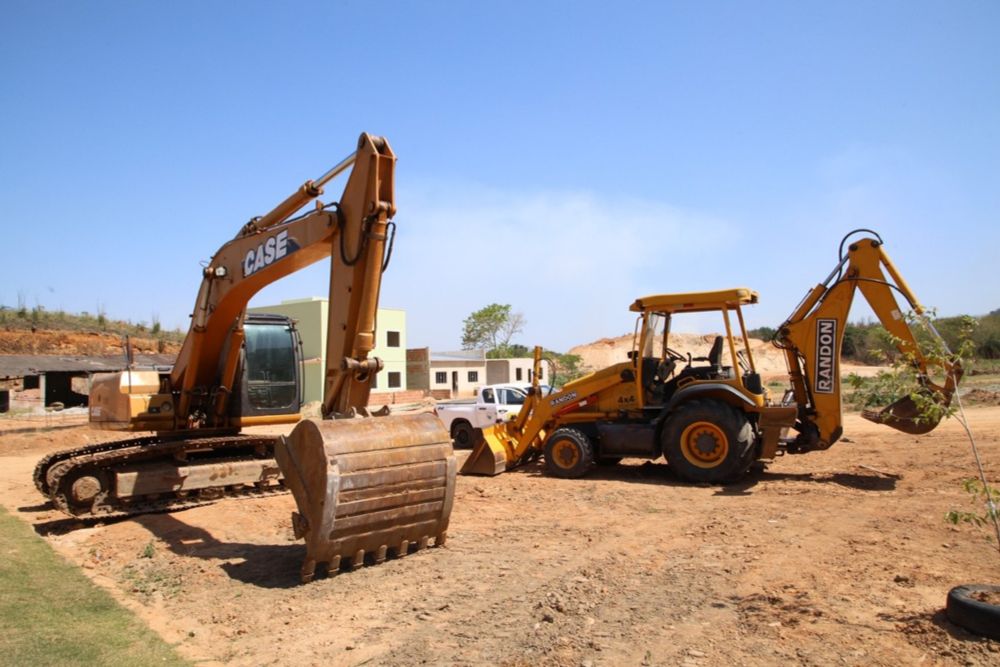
{"type": "Point", "coordinates": [489, 457]}
{"type": "Point", "coordinates": [368, 487]}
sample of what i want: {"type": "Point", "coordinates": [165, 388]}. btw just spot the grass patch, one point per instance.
{"type": "Point", "coordinates": [51, 614]}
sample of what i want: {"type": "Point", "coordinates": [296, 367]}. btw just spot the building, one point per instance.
{"type": "Point", "coordinates": [311, 317]}
{"type": "Point", "coordinates": [460, 374]}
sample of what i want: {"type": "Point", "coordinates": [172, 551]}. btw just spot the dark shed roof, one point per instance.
{"type": "Point", "coordinates": [19, 365]}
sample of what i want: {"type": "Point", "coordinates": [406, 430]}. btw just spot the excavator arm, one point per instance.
{"type": "Point", "coordinates": [353, 233]}
{"type": "Point", "coordinates": [812, 337]}
{"type": "Point", "coordinates": [365, 487]}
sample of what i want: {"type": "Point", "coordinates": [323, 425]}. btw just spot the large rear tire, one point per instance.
{"type": "Point", "coordinates": [568, 453]}
{"type": "Point", "coordinates": [708, 441]}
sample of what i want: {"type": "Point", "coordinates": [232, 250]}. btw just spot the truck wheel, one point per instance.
{"type": "Point", "coordinates": [463, 434]}
{"type": "Point", "coordinates": [708, 441]}
{"type": "Point", "coordinates": [568, 453]}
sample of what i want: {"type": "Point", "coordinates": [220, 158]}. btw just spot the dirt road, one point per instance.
{"type": "Point", "coordinates": [837, 557]}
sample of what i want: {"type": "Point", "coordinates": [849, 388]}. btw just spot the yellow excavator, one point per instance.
{"type": "Point", "coordinates": [711, 417]}
{"type": "Point", "coordinates": [367, 485]}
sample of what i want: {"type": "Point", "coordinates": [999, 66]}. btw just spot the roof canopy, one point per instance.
{"type": "Point", "coordinates": [694, 302]}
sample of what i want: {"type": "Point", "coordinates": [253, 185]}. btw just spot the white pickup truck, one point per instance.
{"type": "Point", "coordinates": [464, 418]}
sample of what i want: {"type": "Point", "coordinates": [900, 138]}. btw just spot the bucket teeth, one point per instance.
{"type": "Point", "coordinates": [363, 484]}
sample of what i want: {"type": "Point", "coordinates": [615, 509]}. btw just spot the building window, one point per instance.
{"type": "Point", "coordinates": [473, 376]}
{"type": "Point", "coordinates": [392, 339]}
{"type": "Point", "coordinates": [394, 379]}
{"type": "Point", "coordinates": [440, 377]}
{"type": "Point", "coordinates": [517, 374]}
{"type": "Point", "coordinates": [541, 373]}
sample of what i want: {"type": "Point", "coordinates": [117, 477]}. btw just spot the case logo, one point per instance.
{"type": "Point", "coordinates": [268, 252]}
{"type": "Point", "coordinates": [826, 351]}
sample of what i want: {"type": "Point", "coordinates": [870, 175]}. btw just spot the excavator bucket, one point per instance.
{"type": "Point", "coordinates": [906, 416]}
{"type": "Point", "coordinates": [368, 487]}
{"type": "Point", "coordinates": [489, 457]}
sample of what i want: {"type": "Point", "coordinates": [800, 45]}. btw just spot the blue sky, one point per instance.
{"type": "Point", "coordinates": [563, 157]}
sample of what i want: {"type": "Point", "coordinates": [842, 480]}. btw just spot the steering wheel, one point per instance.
{"type": "Point", "coordinates": [675, 355]}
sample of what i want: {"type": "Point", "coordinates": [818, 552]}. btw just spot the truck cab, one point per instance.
{"type": "Point", "coordinates": [465, 419]}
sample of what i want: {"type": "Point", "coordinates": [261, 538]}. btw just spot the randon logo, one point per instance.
{"type": "Point", "coordinates": [826, 351]}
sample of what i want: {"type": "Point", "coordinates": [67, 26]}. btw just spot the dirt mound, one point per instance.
{"type": "Point", "coordinates": [607, 351]}
{"type": "Point", "coordinates": [45, 341]}
{"type": "Point", "coordinates": [769, 360]}
{"type": "Point", "coordinates": [981, 397]}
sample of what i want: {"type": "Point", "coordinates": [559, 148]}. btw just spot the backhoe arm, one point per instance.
{"type": "Point", "coordinates": [812, 337]}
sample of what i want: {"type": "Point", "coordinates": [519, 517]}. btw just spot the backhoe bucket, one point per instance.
{"type": "Point", "coordinates": [905, 415]}
{"type": "Point", "coordinates": [902, 415]}
{"type": "Point", "coordinates": [368, 487]}
{"type": "Point", "coordinates": [489, 457]}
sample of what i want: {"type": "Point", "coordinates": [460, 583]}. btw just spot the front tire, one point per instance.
{"type": "Point", "coordinates": [463, 434]}
{"type": "Point", "coordinates": [568, 453]}
{"type": "Point", "coordinates": [708, 441]}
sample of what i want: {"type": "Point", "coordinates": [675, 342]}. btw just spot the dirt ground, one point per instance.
{"type": "Point", "coordinates": [837, 557]}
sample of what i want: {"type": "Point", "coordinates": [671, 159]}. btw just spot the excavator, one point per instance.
{"type": "Point", "coordinates": [711, 417]}
{"type": "Point", "coordinates": [367, 485]}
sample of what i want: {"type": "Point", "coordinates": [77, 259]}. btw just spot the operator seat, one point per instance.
{"type": "Point", "coordinates": [715, 354]}
{"type": "Point", "coordinates": [713, 370]}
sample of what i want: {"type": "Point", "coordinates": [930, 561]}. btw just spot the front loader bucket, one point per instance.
{"type": "Point", "coordinates": [375, 486]}
{"type": "Point", "coordinates": [489, 456]}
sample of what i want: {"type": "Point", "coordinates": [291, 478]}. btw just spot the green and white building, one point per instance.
{"type": "Point", "coordinates": [311, 317]}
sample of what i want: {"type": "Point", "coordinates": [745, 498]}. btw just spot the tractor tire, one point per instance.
{"type": "Point", "coordinates": [464, 436]}
{"type": "Point", "coordinates": [568, 453]}
{"type": "Point", "coordinates": [708, 441]}
{"type": "Point", "coordinates": [975, 615]}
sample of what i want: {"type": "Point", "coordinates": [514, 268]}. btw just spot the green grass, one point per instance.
{"type": "Point", "coordinates": [51, 614]}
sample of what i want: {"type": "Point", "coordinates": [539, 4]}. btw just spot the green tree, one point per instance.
{"type": "Point", "coordinates": [491, 329]}
{"type": "Point", "coordinates": [762, 333]}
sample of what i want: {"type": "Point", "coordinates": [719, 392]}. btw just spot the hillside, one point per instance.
{"type": "Point", "coordinates": [87, 343]}
{"type": "Point", "coordinates": [769, 360]}
{"type": "Point", "coordinates": [39, 331]}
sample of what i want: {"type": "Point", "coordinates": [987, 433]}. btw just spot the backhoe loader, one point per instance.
{"type": "Point", "coordinates": [711, 417]}
{"type": "Point", "coordinates": [366, 486]}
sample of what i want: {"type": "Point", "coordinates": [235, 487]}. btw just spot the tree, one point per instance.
{"type": "Point", "coordinates": [491, 328]}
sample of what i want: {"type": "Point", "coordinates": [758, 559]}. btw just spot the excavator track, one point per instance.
{"type": "Point", "coordinates": [153, 474]}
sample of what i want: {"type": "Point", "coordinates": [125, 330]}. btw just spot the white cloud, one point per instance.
{"type": "Point", "coordinates": [571, 262]}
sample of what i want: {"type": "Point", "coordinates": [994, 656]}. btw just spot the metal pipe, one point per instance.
{"type": "Point", "coordinates": [305, 194]}
{"type": "Point", "coordinates": [336, 170]}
